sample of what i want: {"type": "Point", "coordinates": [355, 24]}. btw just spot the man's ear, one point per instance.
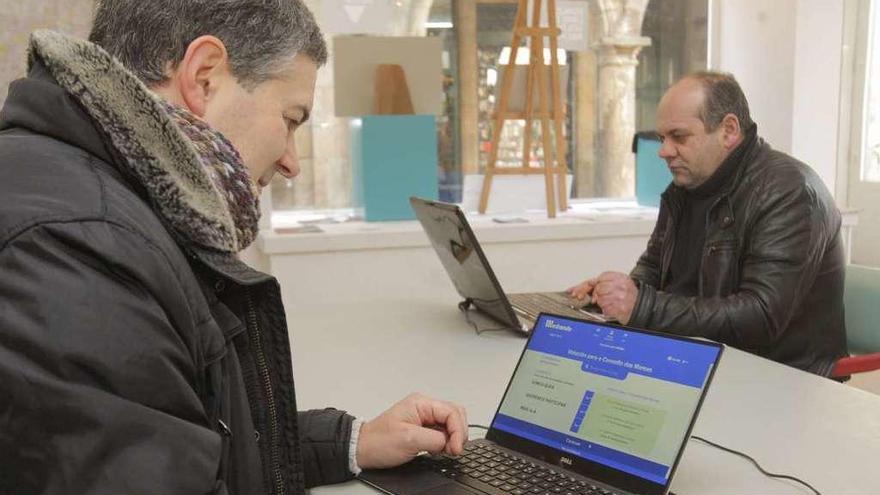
{"type": "Point", "coordinates": [731, 132]}
{"type": "Point", "coordinates": [203, 66]}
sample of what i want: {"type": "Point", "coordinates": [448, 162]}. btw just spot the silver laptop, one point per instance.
{"type": "Point", "coordinates": [467, 266]}
{"type": "Point", "coordinates": [591, 409]}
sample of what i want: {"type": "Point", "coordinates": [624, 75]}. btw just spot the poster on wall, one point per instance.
{"type": "Point", "coordinates": [355, 59]}
{"type": "Point", "coordinates": [572, 17]}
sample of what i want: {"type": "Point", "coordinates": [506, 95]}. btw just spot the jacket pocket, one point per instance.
{"type": "Point", "coordinates": [218, 332]}
{"type": "Point", "coordinates": [720, 272]}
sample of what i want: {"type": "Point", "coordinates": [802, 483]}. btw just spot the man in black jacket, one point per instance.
{"type": "Point", "coordinates": [747, 248]}
{"type": "Point", "coordinates": [137, 353]}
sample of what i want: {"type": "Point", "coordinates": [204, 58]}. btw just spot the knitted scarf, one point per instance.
{"type": "Point", "coordinates": [222, 162]}
{"type": "Point", "coordinates": [193, 176]}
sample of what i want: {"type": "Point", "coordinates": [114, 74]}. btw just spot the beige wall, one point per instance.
{"type": "Point", "coordinates": [18, 18]}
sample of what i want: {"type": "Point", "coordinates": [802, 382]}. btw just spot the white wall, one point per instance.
{"type": "Point", "coordinates": [817, 77]}
{"type": "Point", "coordinates": [755, 41]}
{"type": "Point", "coordinates": [786, 54]}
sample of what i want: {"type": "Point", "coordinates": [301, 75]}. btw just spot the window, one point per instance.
{"type": "Point", "coordinates": [475, 35]}
{"type": "Point", "coordinates": [870, 167]}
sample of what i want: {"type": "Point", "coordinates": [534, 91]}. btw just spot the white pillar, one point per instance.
{"type": "Point", "coordinates": [618, 44]}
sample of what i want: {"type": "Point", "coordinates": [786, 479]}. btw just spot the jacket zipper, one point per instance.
{"type": "Point", "coordinates": [669, 242]}
{"type": "Point", "coordinates": [263, 369]}
{"type": "Point", "coordinates": [705, 252]}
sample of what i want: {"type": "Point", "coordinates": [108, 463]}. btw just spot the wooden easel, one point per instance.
{"type": "Point", "coordinates": [536, 76]}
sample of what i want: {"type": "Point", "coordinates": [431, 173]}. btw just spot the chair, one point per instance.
{"type": "Point", "coordinates": [862, 305]}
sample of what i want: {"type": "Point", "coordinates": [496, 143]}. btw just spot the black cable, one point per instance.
{"type": "Point", "coordinates": [753, 461]}
{"type": "Point", "coordinates": [479, 426]}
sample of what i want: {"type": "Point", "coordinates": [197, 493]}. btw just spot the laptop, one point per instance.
{"type": "Point", "coordinates": [467, 266]}
{"type": "Point", "coordinates": [591, 409]}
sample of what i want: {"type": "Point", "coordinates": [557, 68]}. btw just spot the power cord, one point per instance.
{"type": "Point", "coordinates": [464, 306]}
{"type": "Point", "coordinates": [753, 461]}
{"type": "Point", "coordinates": [730, 451]}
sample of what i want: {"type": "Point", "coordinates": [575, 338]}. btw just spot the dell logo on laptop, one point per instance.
{"type": "Point", "coordinates": [565, 460]}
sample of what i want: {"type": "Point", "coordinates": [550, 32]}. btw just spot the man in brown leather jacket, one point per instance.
{"type": "Point", "coordinates": [747, 247]}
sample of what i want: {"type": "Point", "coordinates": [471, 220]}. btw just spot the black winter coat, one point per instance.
{"type": "Point", "coordinates": [772, 268]}
{"type": "Point", "coordinates": [132, 362]}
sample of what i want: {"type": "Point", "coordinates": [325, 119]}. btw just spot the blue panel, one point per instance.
{"type": "Point", "coordinates": [393, 157]}
{"type": "Point", "coordinates": [652, 173]}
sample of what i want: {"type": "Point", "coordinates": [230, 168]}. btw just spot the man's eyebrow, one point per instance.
{"type": "Point", "coordinates": [674, 130]}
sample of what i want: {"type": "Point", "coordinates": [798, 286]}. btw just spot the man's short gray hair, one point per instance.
{"type": "Point", "coordinates": [261, 36]}
{"type": "Point", "coordinates": [722, 96]}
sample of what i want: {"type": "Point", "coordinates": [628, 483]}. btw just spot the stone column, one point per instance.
{"type": "Point", "coordinates": [617, 46]}
{"type": "Point", "coordinates": [585, 123]}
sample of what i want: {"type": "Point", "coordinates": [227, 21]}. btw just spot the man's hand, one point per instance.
{"type": "Point", "coordinates": [583, 291]}
{"type": "Point", "coordinates": [614, 292]}
{"type": "Point", "coordinates": [413, 425]}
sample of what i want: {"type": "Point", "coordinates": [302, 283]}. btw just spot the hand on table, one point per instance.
{"type": "Point", "coordinates": [616, 293]}
{"type": "Point", "coordinates": [413, 425]}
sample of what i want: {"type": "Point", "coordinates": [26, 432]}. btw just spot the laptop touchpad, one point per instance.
{"type": "Point", "coordinates": [413, 479]}
{"type": "Point", "coordinates": [450, 489]}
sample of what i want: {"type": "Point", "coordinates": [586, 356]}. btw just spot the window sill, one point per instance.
{"type": "Point", "coordinates": [595, 220]}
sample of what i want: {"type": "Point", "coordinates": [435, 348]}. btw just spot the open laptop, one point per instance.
{"type": "Point", "coordinates": [591, 409]}
{"type": "Point", "coordinates": [467, 266]}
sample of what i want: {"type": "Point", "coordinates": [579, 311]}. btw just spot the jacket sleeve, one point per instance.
{"type": "Point", "coordinates": [780, 261]}
{"type": "Point", "coordinates": [324, 437]}
{"type": "Point", "coordinates": [96, 384]}
{"type": "Point", "coordinates": [647, 269]}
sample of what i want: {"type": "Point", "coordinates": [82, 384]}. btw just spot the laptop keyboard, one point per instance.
{"type": "Point", "coordinates": [532, 304]}
{"type": "Point", "coordinates": [492, 470]}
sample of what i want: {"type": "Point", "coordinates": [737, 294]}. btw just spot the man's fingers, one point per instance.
{"type": "Point", "coordinates": [450, 417]}
{"type": "Point", "coordinates": [427, 439]}
{"type": "Point", "coordinates": [582, 290]}
{"type": "Point", "coordinates": [605, 289]}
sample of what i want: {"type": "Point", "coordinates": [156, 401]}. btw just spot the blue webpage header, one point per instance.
{"type": "Point", "coordinates": [616, 352]}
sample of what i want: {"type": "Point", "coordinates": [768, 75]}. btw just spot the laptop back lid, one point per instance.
{"type": "Point", "coordinates": [461, 256]}
{"type": "Point", "coordinates": [608, 402]}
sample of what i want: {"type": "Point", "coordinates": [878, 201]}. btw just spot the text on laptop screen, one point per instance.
{"type": "Point", "coordinates": [621, 398]}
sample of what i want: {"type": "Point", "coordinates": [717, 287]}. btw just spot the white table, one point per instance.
{"type": "Point", "coordinates": [362, 358]}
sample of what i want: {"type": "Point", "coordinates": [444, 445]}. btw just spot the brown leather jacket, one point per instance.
{"type": "Point", "coordinates": [771, 272]}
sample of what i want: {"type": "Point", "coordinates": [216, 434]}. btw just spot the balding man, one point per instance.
{"type": "Point", "coordinates": [747, 247]}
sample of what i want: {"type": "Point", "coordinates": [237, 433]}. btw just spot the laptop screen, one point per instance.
{"type": "Point", "coordinates": [622, 398]}
{"type": "Point", "coordinates": [462, 257]}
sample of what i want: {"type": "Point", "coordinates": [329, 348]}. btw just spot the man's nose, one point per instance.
{"type": "Point", "coordinates": [667, 150]}
{"type": "Point", "coordinates": [288, 164]}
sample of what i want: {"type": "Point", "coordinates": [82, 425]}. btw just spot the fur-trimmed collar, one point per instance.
{"type": "Point", "coordinates": [148, 143]}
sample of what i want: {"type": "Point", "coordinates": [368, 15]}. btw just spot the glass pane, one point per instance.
{"type": "Point", "coordinates": [871, 136]}
{"type": "Point", "coordinates": [440, 24]}
{"type": "Point", "coordinates": [494, 32]}
{"type": "Point", "coordinates": [679, 45]}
